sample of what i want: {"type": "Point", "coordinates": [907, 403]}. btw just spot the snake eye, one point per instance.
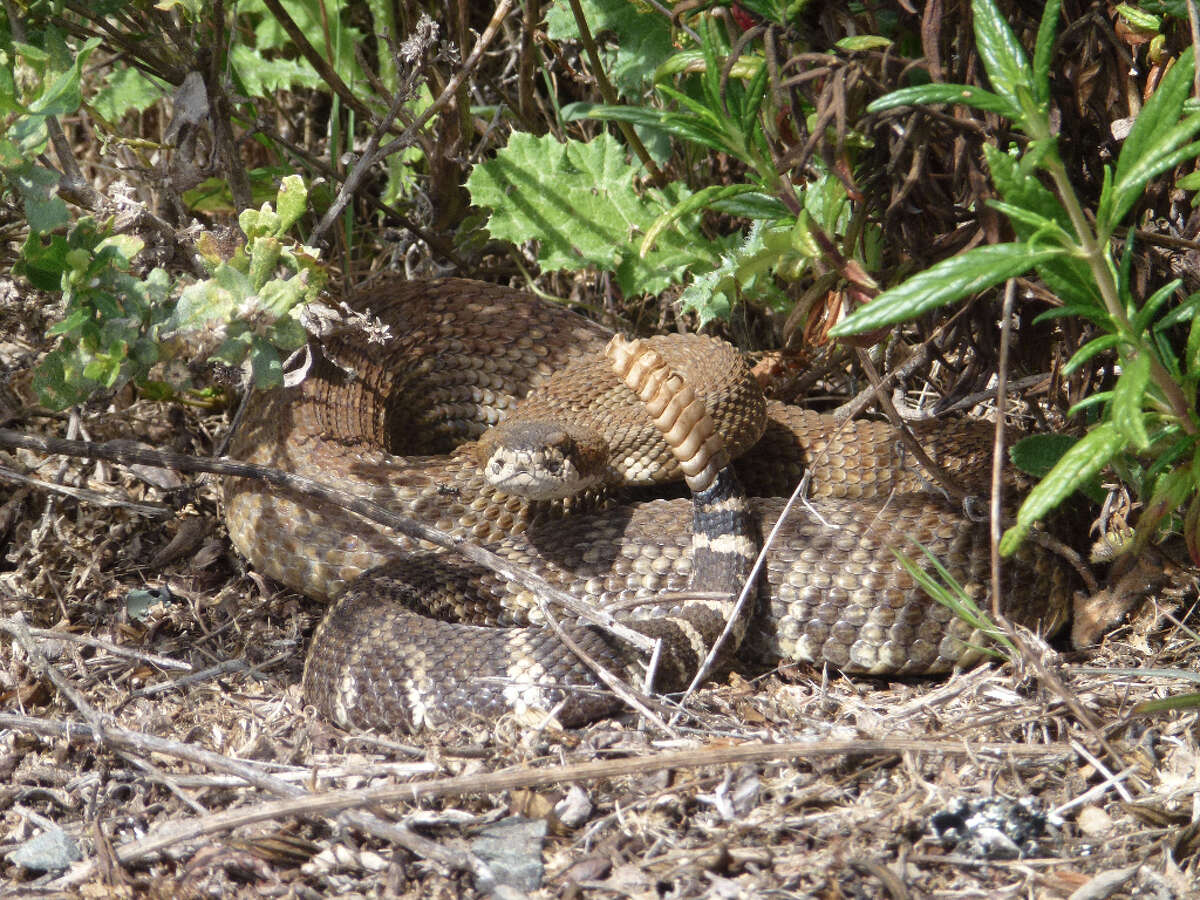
{"type": "Point", "coordinates": [554, 466]}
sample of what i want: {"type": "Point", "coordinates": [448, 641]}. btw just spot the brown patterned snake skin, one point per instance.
{"type": "Point", "coordinates": [401, 649]}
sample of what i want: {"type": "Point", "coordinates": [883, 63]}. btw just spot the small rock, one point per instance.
{"type": "Point", "coordinates": [512, 849]}
{"type": "Point", "coordinates": [51, 851]}
{"type": "Point", "coordinates": [573, 810]}
{"type": "Point", "coordinates": [1093, 821]}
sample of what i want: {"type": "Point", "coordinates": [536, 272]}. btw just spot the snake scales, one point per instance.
{"type": "Point", "coordinates": [402, 649]}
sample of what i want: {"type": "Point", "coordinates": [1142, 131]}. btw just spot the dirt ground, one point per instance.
{"type": "Point", "coordinates": [152, 723]}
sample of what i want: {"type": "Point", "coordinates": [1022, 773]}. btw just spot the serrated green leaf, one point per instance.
{"type": "Point", "coordinates": [125, 90]}
{"type": "Point", "coordinates": [1154, 142]}
{"type": "Point", "coordinates": [924, 94]}
{"type": "Point", "coordinates": [1044, 50]}
{"type": "Point", "coordinates": [1035, 223]}
{"type": "Point", "coordinates": [742, 272]}
{"type": "Point", "coordinates": [1003, 56]}
{"type": "Point", "coordinates": [1089, 455]}
{"type": "Point", "coordinates": [1128, 400]}
{"type": "Point", "coordinates": [579, 202]}
{"type": "Point", "coordinates": [641, 38]}
{"type": "Point", "coordinates": [954, 278]}
{"type": "Point", "coordinates": [1067, 276]}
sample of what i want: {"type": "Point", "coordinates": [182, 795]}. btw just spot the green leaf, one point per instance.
{"type": "Point", "coordinates": [924, 94]}
{"type": "Point", "coordinates": [1185, 312]}
{"type": "Point", "coordinates": [1037, 455]}
{"type": "Point", "coordinates": [1044, 50]}
{"type": "Point", "coordinates": [954, 278]}
{"type": "Point", "coordinates": [10, 102]}
{"type": "Point", "coordinates": [1139, 322]}
{"type": "Point", "coordinates": [1100, 398]}
{"type": "Point", "coordinates": [756, 93]}
{"type": "Point", "coordinates": [279, 295]}
{"type": "Point", "coordinates": [287, 334]}
{"type": "Point", "coordinates": [1003, 56]}
{"type": "Point", "coordinates": [1192, 360]}
{"type": "Point", "coordinates": [1153, 144]}
{"type": "Point", "coordinates": [201, 303]}
{"type": "Point", "coordinates": [946, 590]}
{"type": "Point", "coordinates": [265, 364]}
{"type": "Point", "coordinates": [1068, 276]}
{"type": "Point", "coordinates": [579, 202]}
{"type": "Point", "coordinates": [1128, 399]}
{"type": "Point", "coordinates": [264, 254]}
{"type": "Point", "coordinates": [1083, 310]}
{"type": "Point", "coordinates": [857, 42]}
{"type": "Point", "coordinates": [44, 263]}
{"type": "Point", "coordinates": [125, 90]}
{"type": "Point", "coordinates": [63, 97]}
{"type": "Point", "coordinates": [1182, 445]}
{"type": "Point", "coordinates": [44, 209]}
{"type": "Point", "coordinates": [1090, 349]}
{"type": "Point", "coordinates": [1035, 223]}
{"type": "Point", "coordinates": [290, 202]}
{"type": "Point", "coordinates": [641, 39]}
{"type": "Point", "coordinates": [745, 272]}
{"type": "Point", "coordinates": [1084, 460]}
{"type": "Point", "coordinates": [696, 201]}
{"type": "Point", "coordinates": [1138, 18]}
{"type": "Point", "coordinates": [752, 205]}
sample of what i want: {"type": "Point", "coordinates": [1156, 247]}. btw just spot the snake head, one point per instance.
{"type": "Point", "coordinates": [542, 460]}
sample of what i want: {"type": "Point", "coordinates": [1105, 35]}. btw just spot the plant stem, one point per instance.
{"type": "Point", "coordinates": [1098, 262]}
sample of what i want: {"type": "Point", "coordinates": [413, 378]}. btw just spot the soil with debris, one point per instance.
{"type": "Point", "coordinates": [153, 740]}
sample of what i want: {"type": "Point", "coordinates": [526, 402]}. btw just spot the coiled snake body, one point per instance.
{"type": "Point", "coordinates": [402, 647]}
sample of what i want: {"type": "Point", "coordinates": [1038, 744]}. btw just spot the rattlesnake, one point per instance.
{"type": "Point", "coordinates": [385, 422]}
